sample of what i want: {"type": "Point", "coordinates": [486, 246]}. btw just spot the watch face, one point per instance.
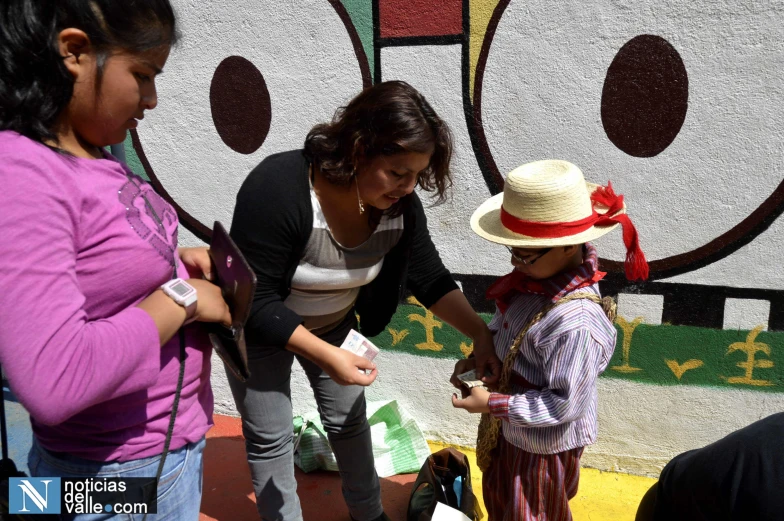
{"type": "Point", "coordinates": [181, 288]}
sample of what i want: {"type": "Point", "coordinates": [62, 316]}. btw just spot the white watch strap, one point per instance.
{"type": "Point", "coordinates": [183, 294]}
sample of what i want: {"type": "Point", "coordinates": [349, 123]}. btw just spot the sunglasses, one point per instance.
{"type": "Point", "coordinates": [529, 261]}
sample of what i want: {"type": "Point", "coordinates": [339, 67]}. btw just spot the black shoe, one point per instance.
{"type": "Point", "coordinates": [382, 517]}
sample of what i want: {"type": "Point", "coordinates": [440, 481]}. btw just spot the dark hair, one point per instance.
{"type": "Point", "coordinates": [386, 119]}
{"type": "Point", "coordinates": [35, 85]}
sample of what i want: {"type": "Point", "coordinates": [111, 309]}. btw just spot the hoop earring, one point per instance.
{"type": "Point", "coordinates": [359, 198]}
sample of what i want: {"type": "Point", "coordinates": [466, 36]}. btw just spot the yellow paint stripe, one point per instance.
{"type": "Point", "coordinates": [480, 12]}
{"type": "Point", "coordinates": [605, 496]}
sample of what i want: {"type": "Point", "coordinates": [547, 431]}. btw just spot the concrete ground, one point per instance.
{"type": "Point", "coordinates": [228, 494]}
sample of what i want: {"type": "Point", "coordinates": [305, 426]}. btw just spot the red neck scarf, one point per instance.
{"type": "Point", "coordinates": [586, 274]}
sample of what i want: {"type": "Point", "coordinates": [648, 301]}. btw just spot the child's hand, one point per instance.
{"type": "Point", "coordinates": [461, 367]}
{"type": "Point", "coordinates": [476, 401]}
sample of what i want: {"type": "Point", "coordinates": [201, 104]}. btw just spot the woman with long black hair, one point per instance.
{"type": "Point", "coordinates": [93, 289]}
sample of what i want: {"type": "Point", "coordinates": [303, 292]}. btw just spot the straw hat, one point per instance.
{"type": "Point", "coordinates": [544, 203]}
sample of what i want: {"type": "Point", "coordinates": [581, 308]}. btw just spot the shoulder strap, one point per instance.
{"type": "Point", "coordinates": [172, 418]}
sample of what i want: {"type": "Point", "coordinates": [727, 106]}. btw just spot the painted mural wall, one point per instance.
{"type": "Point", "coordinates": [678, 103]}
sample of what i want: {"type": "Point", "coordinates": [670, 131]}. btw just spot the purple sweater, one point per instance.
{"type": "Point", "coordinates": [80, 250]}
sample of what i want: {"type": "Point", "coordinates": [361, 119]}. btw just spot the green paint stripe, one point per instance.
{"type": "Point", "coordinates": [361, 13]}
{"type": "Point", "coordinates": [132, 160]}
{"type": "Point", "coordinates": [710, 357]}
{"type": "Point", "coordinates": [408, 334]}
{"type": "Point", "coordinates": [701, 356]}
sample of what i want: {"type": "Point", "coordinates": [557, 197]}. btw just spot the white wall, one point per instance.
{"type": "Point", "coordinates": [541, 98]}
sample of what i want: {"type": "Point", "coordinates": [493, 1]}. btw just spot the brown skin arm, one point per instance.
{"type": "Point", "coordinates": [341, 365]}
{"type": "Point", "coordinates": [454, 309]}
{"type": "Point", "coordinates": [169, 316]}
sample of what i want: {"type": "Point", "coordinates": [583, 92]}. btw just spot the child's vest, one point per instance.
{"type": "Point", "coordinates": [490, 426]}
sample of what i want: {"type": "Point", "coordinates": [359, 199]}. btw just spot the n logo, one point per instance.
{"type": "Point", "coordinates": [34, 496]}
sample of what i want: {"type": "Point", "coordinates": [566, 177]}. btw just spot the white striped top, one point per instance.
{"type": "Point", "coordinates": [327, 280]}
{"type": "Point", "coordinates": [561, 356]}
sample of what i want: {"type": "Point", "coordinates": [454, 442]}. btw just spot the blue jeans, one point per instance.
{"type": "Point", "coordinates": [264, 401]}
{"type": "Point", "coordinates": [179, 489]}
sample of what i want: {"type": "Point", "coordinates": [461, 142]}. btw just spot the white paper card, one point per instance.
{"type": "Point", "coordinates": [359, 345]}
{"type": "Point", "coordinates": [446, 513]}
{"type": "Point", "coordinates": [470, 380]}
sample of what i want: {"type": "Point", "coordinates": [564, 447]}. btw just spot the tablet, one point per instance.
{"type": "Point", "coordinates": [237, 281]}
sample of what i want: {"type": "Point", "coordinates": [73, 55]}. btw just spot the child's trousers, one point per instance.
{"type": "Point", "coordinates": [521, 486]}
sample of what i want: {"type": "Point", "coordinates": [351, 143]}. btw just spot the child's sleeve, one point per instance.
{"type": "Point", "coordinates": [571, 363]}
{"type": "Point", "coordinates": [495, 323]}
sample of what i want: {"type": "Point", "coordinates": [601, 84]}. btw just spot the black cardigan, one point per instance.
{"type": "Point", "coordinates": [272, 223]}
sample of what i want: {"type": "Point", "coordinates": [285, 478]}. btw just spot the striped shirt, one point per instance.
{"type": "Point", "coordinates": [327, 280]}
{"type": "Point", "coordinates": [553, 405]}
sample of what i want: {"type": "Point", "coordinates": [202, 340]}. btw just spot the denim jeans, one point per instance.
{"type": "Point", "coordinates": [179, 489]}
{"type": "Point", "coordinates": [264, 401]}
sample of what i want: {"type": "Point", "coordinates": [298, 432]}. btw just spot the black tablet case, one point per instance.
{"type": "Point", "coordinates": [238, 283]}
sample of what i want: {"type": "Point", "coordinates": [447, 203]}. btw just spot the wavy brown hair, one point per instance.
{"type": "Point", "coordinates": [386, 119]}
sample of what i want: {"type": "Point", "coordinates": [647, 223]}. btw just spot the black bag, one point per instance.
{"type": "Point", "coordinates": [435, 484]}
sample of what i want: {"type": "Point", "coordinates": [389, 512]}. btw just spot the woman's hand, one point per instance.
{"type": "Point", "coordinates": [341, 365]}
{"type": "Point", "coordinates": [197, 262]}
{"type": "Point", "coordinates": [476, 400]}
{"type": "Point", "coordinates": [488, 365]}
{"type": "Point", "coordinates": [462, 366]}
{"type": "Point", "coordinates": [454, 309]}
{"type": "Point", "coordinates": [344, 367]}
{"type": "Point", "coordinates": [210, 306]}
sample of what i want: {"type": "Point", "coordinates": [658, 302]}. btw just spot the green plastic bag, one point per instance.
{"type": "Point", "coordinates": [399, 447]}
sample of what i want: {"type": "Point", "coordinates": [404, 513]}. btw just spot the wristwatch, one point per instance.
{"type": "Point", "coordinates": [183, 294]}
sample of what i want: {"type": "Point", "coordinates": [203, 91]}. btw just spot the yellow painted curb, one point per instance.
{"type": "Point", "coordinates": [602, 496]}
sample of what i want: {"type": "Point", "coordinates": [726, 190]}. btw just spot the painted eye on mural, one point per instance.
{"type": "Point", "coordinates": [239, 91]}
{"type": "Point", "coordinates": [665, 102]}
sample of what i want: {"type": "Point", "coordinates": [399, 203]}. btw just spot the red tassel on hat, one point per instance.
{"type": "Point", "coordinates": [635, 266]}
